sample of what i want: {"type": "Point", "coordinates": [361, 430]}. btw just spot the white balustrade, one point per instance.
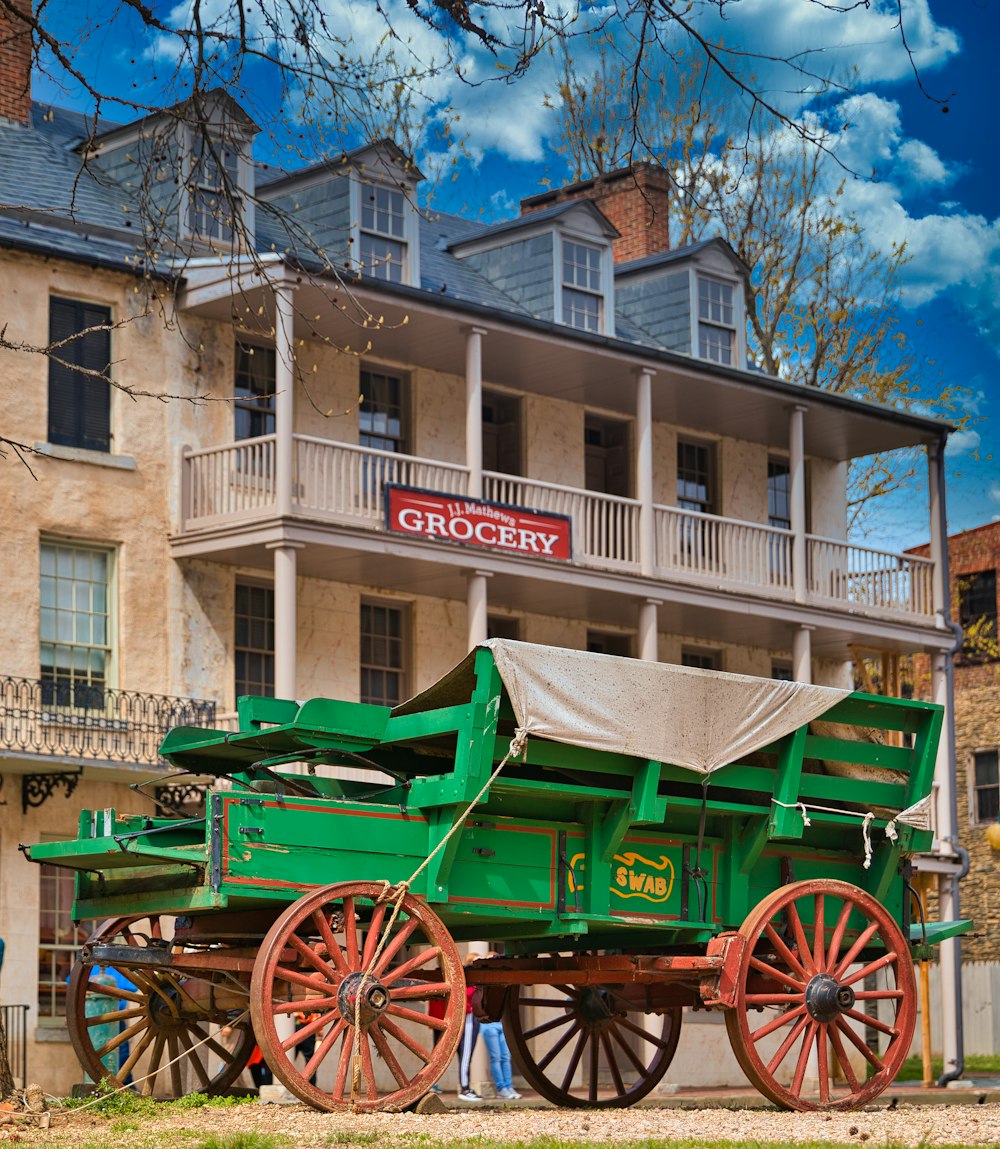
{"type": "Point", "coordinates": [605, 527]}
{"type": "Point", "coordinates": [342, 481]}
{"type": "Point", "coordinates": [700, 546]}
{"type": "Point", "coordinates": [233, 481]}
{"type": "Point", "coordinates": [870, 578]}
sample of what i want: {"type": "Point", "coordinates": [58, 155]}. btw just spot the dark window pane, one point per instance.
{"type": "Point", "coordinates": [383, 657]}
{"type": "Point", "coordinates": [79, 398]}
{"type": "Point", "coordinates": [253, 640]}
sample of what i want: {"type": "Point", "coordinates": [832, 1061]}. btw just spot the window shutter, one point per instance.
{"type": "Point", "coordinates": [79, 405]}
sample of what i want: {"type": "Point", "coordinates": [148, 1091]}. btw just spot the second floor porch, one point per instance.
{"type": "Point", "coordinates": [344, 486]}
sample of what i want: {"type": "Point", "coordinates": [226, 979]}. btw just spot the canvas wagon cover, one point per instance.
{"type": "Point", "coordinates": [698, 719]}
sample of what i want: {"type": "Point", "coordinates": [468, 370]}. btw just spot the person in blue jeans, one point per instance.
{"type": "Point", "coordinates": [496, 1046]}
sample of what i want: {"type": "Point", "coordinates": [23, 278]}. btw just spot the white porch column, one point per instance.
{"type": "Point", "coordinates": [802, 654]}
{"type": "Point", "coordinates": [938, 530]}
{"type": "Point", "coordinates": [649, 646]}
{"type": "Point", "coordinates": [797, 483]}
{"type": "Point", "coordinates": [284, 406]}
{"type": "Point", "coordinates": [644, 470]}
{"type": "Point", "coordinates": [285, 624]}
{"type": "Point", "coordinates": [474, 409]}
{"type": "Point", "coordinates": [477, 605]}
{"type": "Point", "coordinates": [946, 833]}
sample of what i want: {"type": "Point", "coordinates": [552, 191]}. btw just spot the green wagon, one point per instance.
{"type": "Point", "coordinates": [633, 838]}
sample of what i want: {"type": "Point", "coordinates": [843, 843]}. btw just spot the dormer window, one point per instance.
{"type": "Point", "coordinates": [582, 290]}
{"type": "Point", "coordinates": [716, 320]}
{"type": "Point", "coordinates": [215, 190]}
{"type": "Point", "coordinates": [383, 232]}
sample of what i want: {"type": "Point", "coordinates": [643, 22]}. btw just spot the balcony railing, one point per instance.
{"type": "Point", "coordinates": [869, 578]}
{"type": "Point", "coordinates": [345, 483]}
{"type": "Point", "coordinates": [95, 724]}
{"type": "Point", "coordinates": [605, 527]}
{"type": "Point", "coordinates": [689, 543]}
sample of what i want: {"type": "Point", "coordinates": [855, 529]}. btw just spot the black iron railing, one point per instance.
{"type": "Point", "coordinates": [15, 1024]}
{"type": "Point", "coordinates": [40, 717]}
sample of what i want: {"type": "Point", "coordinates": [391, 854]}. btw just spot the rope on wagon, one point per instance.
{"type": "Point", "coordinates": [866, 821]}
{"type": "Point", "coordinates": [517, 749]}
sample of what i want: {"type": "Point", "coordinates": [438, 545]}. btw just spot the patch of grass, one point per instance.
{"type": "Point", "coordinates": [242, 1141]}
{"type": "Point", "coordinates": [345, 1137]}
{"type": "Point", "coordinates": [913, 1067]}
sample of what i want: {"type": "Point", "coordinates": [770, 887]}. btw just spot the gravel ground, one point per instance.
{"type": "Point", "coordinates": [909, 1125]}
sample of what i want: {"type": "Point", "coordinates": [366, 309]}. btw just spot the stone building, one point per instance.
{"type": "Point", "coordinates": [164, 557]}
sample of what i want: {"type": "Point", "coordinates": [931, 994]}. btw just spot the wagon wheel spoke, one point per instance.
{"type": "Point", "coordinates": [324, 1047]}
{"type": "Point", "coordinates": [309, 1029]}
{"type": "Point", "coordinates": [311, 957]}
{"type": "Point", "coordinates": [550, 1002]}
{"type": "Point", "coordinates": [803, 1059]}
{"type": "Point", "coordinates": [822, 1065]}
{"type": "Point", "coordinates": [612, 1060]}
{"type": "Point", "coordinates": [175, 1067]}
{"type": "Point", "coordinates": [783, 1049]}
{"type": "Point", "coordinates": [784, 952]}
{"type": "Point", "coordinates": [411, 965]}
{"type": "Point", "coordinates": [862, 1047]}
{"type": "Point", "coordinates": [154, 1062]}
{"type": "Point", "coordinates": [114, 1015]}
{"type": "Point", "coordinates": [574, 1060]}
{"type": "Point", "coordinates": [373, 934]}
{"type": "Point", "coordinates": [774, 974]}
{"type": "Point", "coordinates": [776, 1023]}
{"type": "Point", "coordinates": [351, 950]}
{"type": "Point", "coordinates": [625, 1023]}
{"type": "Point", "coordinates": [629, 1052]}
{"type": "Point", "coordinates": [343, 1065]}
{"type": "Point", "coordinates": [399, 940]}
{"type": "Point", "coordinates": [303, 1005]}
{"type": "Point", "coordinates": [406, 1039]}
{"type": "Point", "coordinates": [826, 1007]}
{"type": "Point", "coordinates": [560, 1045]}
{"type": "Point", "coordinates": [870, 968]}
{"type": "Point", "coordinates": [382, 1045]}
{"type": "Point", "coordinates": [592, 1070]}
{"type": "Point", "coordinates": [837, 938]}
{"type": "Point", "coordinates": [804, 954]}
{"type": "Point", "coordinates": [819, 929]}
{"type": "Point", "coordinates": [546, 1026]}
{"type": "Point", "coordinates": [845, 1062]}
{"type": "Point", "coordinates": [193, 1059]}
{"type": "Point", "coordinates": [331, 943]}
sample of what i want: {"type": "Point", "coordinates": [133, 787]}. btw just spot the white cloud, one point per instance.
{"type": "Point", "coordinates": [963, 442]}
{"type": "Point", "coordinates": [995, 492]}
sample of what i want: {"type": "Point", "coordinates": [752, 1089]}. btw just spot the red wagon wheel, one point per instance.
{"type": "Point", "coordinates": [311, 966]}
{"type": "Point", "coordinates": [811, 947]}
{"type": "Point", "coordinates": [133, 1019]}
{"type": "Point", "coordinates": [605, 1048]}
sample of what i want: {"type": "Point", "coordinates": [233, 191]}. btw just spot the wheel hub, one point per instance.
{"type": "Point", "coordinates": [826, 998]}
{"type": "Point", "coordinates": [374, 998]}
{"type": "Point", "coordinates": [593, 1006]}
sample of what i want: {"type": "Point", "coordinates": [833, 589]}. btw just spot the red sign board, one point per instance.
{"type": "Point", "coordinates": [473, 522]}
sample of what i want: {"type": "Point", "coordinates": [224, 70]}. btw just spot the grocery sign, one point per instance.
{"type": "Point", "coordinates": [476, 523]}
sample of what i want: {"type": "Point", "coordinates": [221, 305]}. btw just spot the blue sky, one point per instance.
{"type": "Point", "coordinates": [936, 171]}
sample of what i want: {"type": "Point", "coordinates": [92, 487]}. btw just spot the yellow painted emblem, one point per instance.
{"type": "Point", "coordinates": [634, 876]}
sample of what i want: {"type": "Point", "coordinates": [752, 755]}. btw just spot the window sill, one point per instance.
{"type": "Point", "coordinates": [52, 1033]}
{"type": "Point", "coordinates": [82, 455]}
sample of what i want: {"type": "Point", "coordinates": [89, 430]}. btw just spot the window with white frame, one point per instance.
{"type": "Point", "coordinates": [75, 632]}
{"type": "Point", "coordinates": [214, 189]}
{"type": "Point", "coordinates": [716, 320]}
{"type": "Point", "coordinates": [254, 391]}
{"type": "Point", "coordinates": [59, 939]}
{"type": "Point", "coordinates": [383, 232]}
{"type": "Point", "coordinates": [985, 786]}
{"type": "Point", "coordinates": [582, 289]}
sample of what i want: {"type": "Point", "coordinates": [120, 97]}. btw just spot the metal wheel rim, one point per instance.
{"type": "Point", "coordinates": [589, 1044]}
{"type": "Point", "coordinates": [148, 1041]}
{"type": "Point", "coordinates": [435, 970]}
{"type": "Point", "coordinates": [781, 984]}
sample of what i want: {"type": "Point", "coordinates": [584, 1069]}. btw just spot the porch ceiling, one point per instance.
{"type": "Point", "coordinates": [541, 358]}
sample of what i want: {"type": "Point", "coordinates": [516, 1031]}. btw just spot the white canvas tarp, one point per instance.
{"type": "Point", "coordinates": [697, 719]}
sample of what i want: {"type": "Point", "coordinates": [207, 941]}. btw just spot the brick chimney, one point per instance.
{"type": "Point", "coordinates": [636, 200]}
{"type": "Point", "coordinates": [15, 65]}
